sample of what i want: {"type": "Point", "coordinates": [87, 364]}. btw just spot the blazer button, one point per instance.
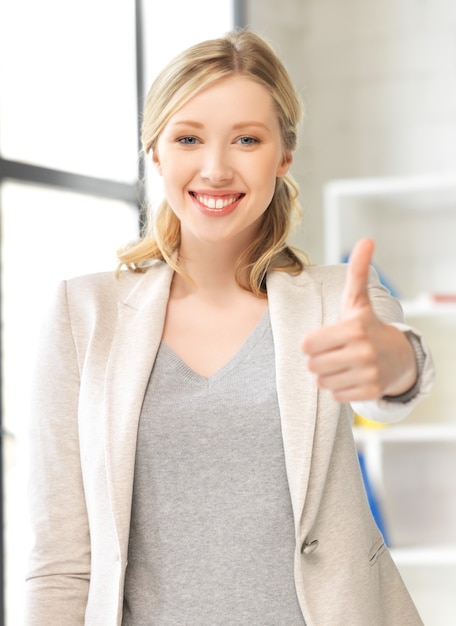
{"type": "Point", "coordinates": [309, 546]}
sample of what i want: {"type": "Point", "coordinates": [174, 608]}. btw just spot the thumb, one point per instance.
{"type": "Point", "coordinates": [355, 293]}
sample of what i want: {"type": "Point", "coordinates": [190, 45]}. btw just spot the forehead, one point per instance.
{"type": "Point", "coordinates": [234, 97]}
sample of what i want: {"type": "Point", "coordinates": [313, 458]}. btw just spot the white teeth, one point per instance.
{"type": "Point", "coordinates": [216, 203]}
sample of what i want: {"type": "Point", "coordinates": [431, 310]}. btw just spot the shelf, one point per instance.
{"type": "Point", "coordinates": [411, 466]}
{"type": "Point", "coordinates": [389, 186]}
{"type": "Point", "coordinates": [424, 556]}
{"type": "Point", "coordinates": [425, 306]}
{"type": "Point", "coordinates": [412, 221]}
{"type": "Point", "coordinates": [428, 433]}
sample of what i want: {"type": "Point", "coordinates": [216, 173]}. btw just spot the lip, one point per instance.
{"type": "Point", "coordinates": [216, 204]}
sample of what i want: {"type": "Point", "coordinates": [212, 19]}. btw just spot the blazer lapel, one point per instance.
{"type": "Point", "coordinates": [295, 307]}
{"type": "Point", "coordinates": [137, 338]}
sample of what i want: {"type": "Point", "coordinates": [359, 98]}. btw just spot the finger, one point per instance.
{"type": "Point", "coordinates": [326, 339]}
{"type": "Point", "coordinates": [355, 292]}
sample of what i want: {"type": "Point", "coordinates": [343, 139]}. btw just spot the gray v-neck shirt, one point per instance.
{"type": "Point", "coordinates": [212, 537]}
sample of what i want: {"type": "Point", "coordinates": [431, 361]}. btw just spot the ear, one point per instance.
{"type": "Point", "coordinates": [285, 164]}
{"type": "Point", "coordinates": [156, 162]}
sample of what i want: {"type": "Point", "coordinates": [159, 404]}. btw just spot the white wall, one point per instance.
{"type": "Point", "coordinates": [379, 81]}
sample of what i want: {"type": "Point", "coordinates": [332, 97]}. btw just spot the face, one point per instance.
{"type": "Point", "coordinates": [219, 156]}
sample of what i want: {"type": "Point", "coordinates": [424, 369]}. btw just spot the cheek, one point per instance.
{"type": "Point", "coordinates": [269, 180]}
{"type": "Point", "coordinates": [176, 170]}
{"type": "Point", "coordinates": [174, 188]}
{"type": "Point", "coordinates": [171, 174]}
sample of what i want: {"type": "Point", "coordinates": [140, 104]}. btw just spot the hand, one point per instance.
{"type": "Point", "coordinates": [360, 357]}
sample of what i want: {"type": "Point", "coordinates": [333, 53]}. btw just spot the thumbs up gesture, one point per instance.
{"type": "Point", "coordinates": [360, 358]}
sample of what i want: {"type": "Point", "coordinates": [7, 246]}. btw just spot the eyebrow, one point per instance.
{"type": "Point", "coordinates": [250, 124]}
{"type": "Point", "coordinates": [239, 126]}
{"type": "Point", "coordinates": [188, 123]}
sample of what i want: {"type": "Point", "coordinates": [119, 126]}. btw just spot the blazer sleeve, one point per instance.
{"type": "Point", "coordinates": [59, 564]}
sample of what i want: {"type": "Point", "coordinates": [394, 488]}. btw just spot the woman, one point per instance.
{"type": "Point", "coordinates": [193, 460]}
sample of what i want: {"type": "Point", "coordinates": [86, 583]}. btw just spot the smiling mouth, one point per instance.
{"type": "Point", "coordinates": [217, 202]}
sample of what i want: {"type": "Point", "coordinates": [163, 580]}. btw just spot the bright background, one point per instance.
{"type": "Point", "coordinates": [378, 78]}
{"type": "Point", "coordinates": [68, 103]}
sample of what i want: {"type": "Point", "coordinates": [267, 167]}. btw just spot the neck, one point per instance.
{"type": "Point", "coordinates": [211, 268]}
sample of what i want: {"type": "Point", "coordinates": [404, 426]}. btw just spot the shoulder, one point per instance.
{"type": "Point", "coordinates": [326, 282]}
{"type": "Point", "coordinates": [111, 286]}
{"type": "Point", "coordinates": [327, 279]}
{"type": "Point", "coordinates": [330, 277]}
{"type": "Point", "coordinates": [318, 273]}
{"type": "Point", "coordinates": [327, 275]}
{"type": "Point", "coordinates": [97, 296]}
{"type": "Point", "coordinates": [105, 285]}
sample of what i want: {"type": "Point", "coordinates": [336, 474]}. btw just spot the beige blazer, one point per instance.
{"type": "Point", "coordinates": [97, 351]}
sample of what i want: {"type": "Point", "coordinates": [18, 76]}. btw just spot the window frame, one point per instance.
{"type": "Point", "coordinates": [132, 193]}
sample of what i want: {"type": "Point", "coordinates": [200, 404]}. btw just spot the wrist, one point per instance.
{"type": "Point", "coordinates": [408, 387]}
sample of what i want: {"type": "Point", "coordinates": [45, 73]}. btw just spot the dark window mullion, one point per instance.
{"type": "Point", "coordinates": [24, 172]}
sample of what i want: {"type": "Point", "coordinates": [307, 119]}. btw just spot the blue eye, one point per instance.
{"type": "Point", "coordinates": [188, 141]}
{"type": "Point", "coordinates": [247, 141]}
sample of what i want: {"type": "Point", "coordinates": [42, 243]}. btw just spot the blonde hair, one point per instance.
{"type": "Point", "coordinates": [237, 53]}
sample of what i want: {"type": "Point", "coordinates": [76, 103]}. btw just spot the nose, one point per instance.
{"type": "Point", "coordinates": [216, 167]}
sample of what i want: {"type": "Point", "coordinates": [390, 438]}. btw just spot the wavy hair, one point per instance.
{"type": "Point", "coordinates": [236, 53]}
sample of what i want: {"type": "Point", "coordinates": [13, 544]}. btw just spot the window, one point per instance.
{"type": "Point", "coordinates": [72, 76]}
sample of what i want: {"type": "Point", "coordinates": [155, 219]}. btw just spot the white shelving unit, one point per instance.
{"type": "Point", "coordinates": [412, 465]}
